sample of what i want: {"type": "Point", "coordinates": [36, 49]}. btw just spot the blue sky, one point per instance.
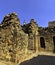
{"type": "Point", "coordinates": [42, 11]}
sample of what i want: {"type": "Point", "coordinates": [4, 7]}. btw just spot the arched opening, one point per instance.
{"type": "Point", "coordinates": [54, 43]}
{"type": "Point", "coordinates": [42, 42]}
{"type": "Point", "coordinates": [54, 28]}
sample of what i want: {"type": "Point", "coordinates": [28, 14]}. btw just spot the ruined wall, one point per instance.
{"type": "Point", "coordinates": [51, 24]}
{"type": "Point", "coordinates": [47, 34]}
{"type": "Point", "coordinates": [13, 40]}
{"type": "Point", "coordinates": [18, 42]}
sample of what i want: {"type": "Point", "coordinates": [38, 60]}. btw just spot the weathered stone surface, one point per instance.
{"type": "Point", "coordinates": [13, 41]}
{"type": "Point", "coordinates": [19, 43]}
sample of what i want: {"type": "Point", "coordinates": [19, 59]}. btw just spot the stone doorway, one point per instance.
{"type": "Point", "coordinates": [42, 42]}
{"type": "Point", "coordinates": [54, 43]}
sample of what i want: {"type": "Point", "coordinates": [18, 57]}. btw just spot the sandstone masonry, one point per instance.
{"type": "Point", "coordinates": [19, 42]}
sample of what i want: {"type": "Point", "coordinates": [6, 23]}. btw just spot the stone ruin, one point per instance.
{"type": "Point", "coordinates": [21, 42]}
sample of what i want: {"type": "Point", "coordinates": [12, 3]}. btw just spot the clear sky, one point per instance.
{"type": "Point", "coordinates": [42, 11]}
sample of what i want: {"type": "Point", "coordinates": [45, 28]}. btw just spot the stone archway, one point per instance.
{"type": "Point", "coordinates": [42, 42]}
{"type": "Point", "coordinates": [54, 43]}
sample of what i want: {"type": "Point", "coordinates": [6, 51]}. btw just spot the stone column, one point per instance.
{"type": "Point", "coordinates": [26, 41]}
{"type": "Point", "coordinates": [37, 42]}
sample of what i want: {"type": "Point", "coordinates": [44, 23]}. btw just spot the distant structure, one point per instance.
{"type": "Point", "coordinates": [21, 42]}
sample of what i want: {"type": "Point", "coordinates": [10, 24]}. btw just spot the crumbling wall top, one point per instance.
{"type": "Point", "coordinates": [51, 24]}
{"type": "Point", "coordinates": [13, 16]}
